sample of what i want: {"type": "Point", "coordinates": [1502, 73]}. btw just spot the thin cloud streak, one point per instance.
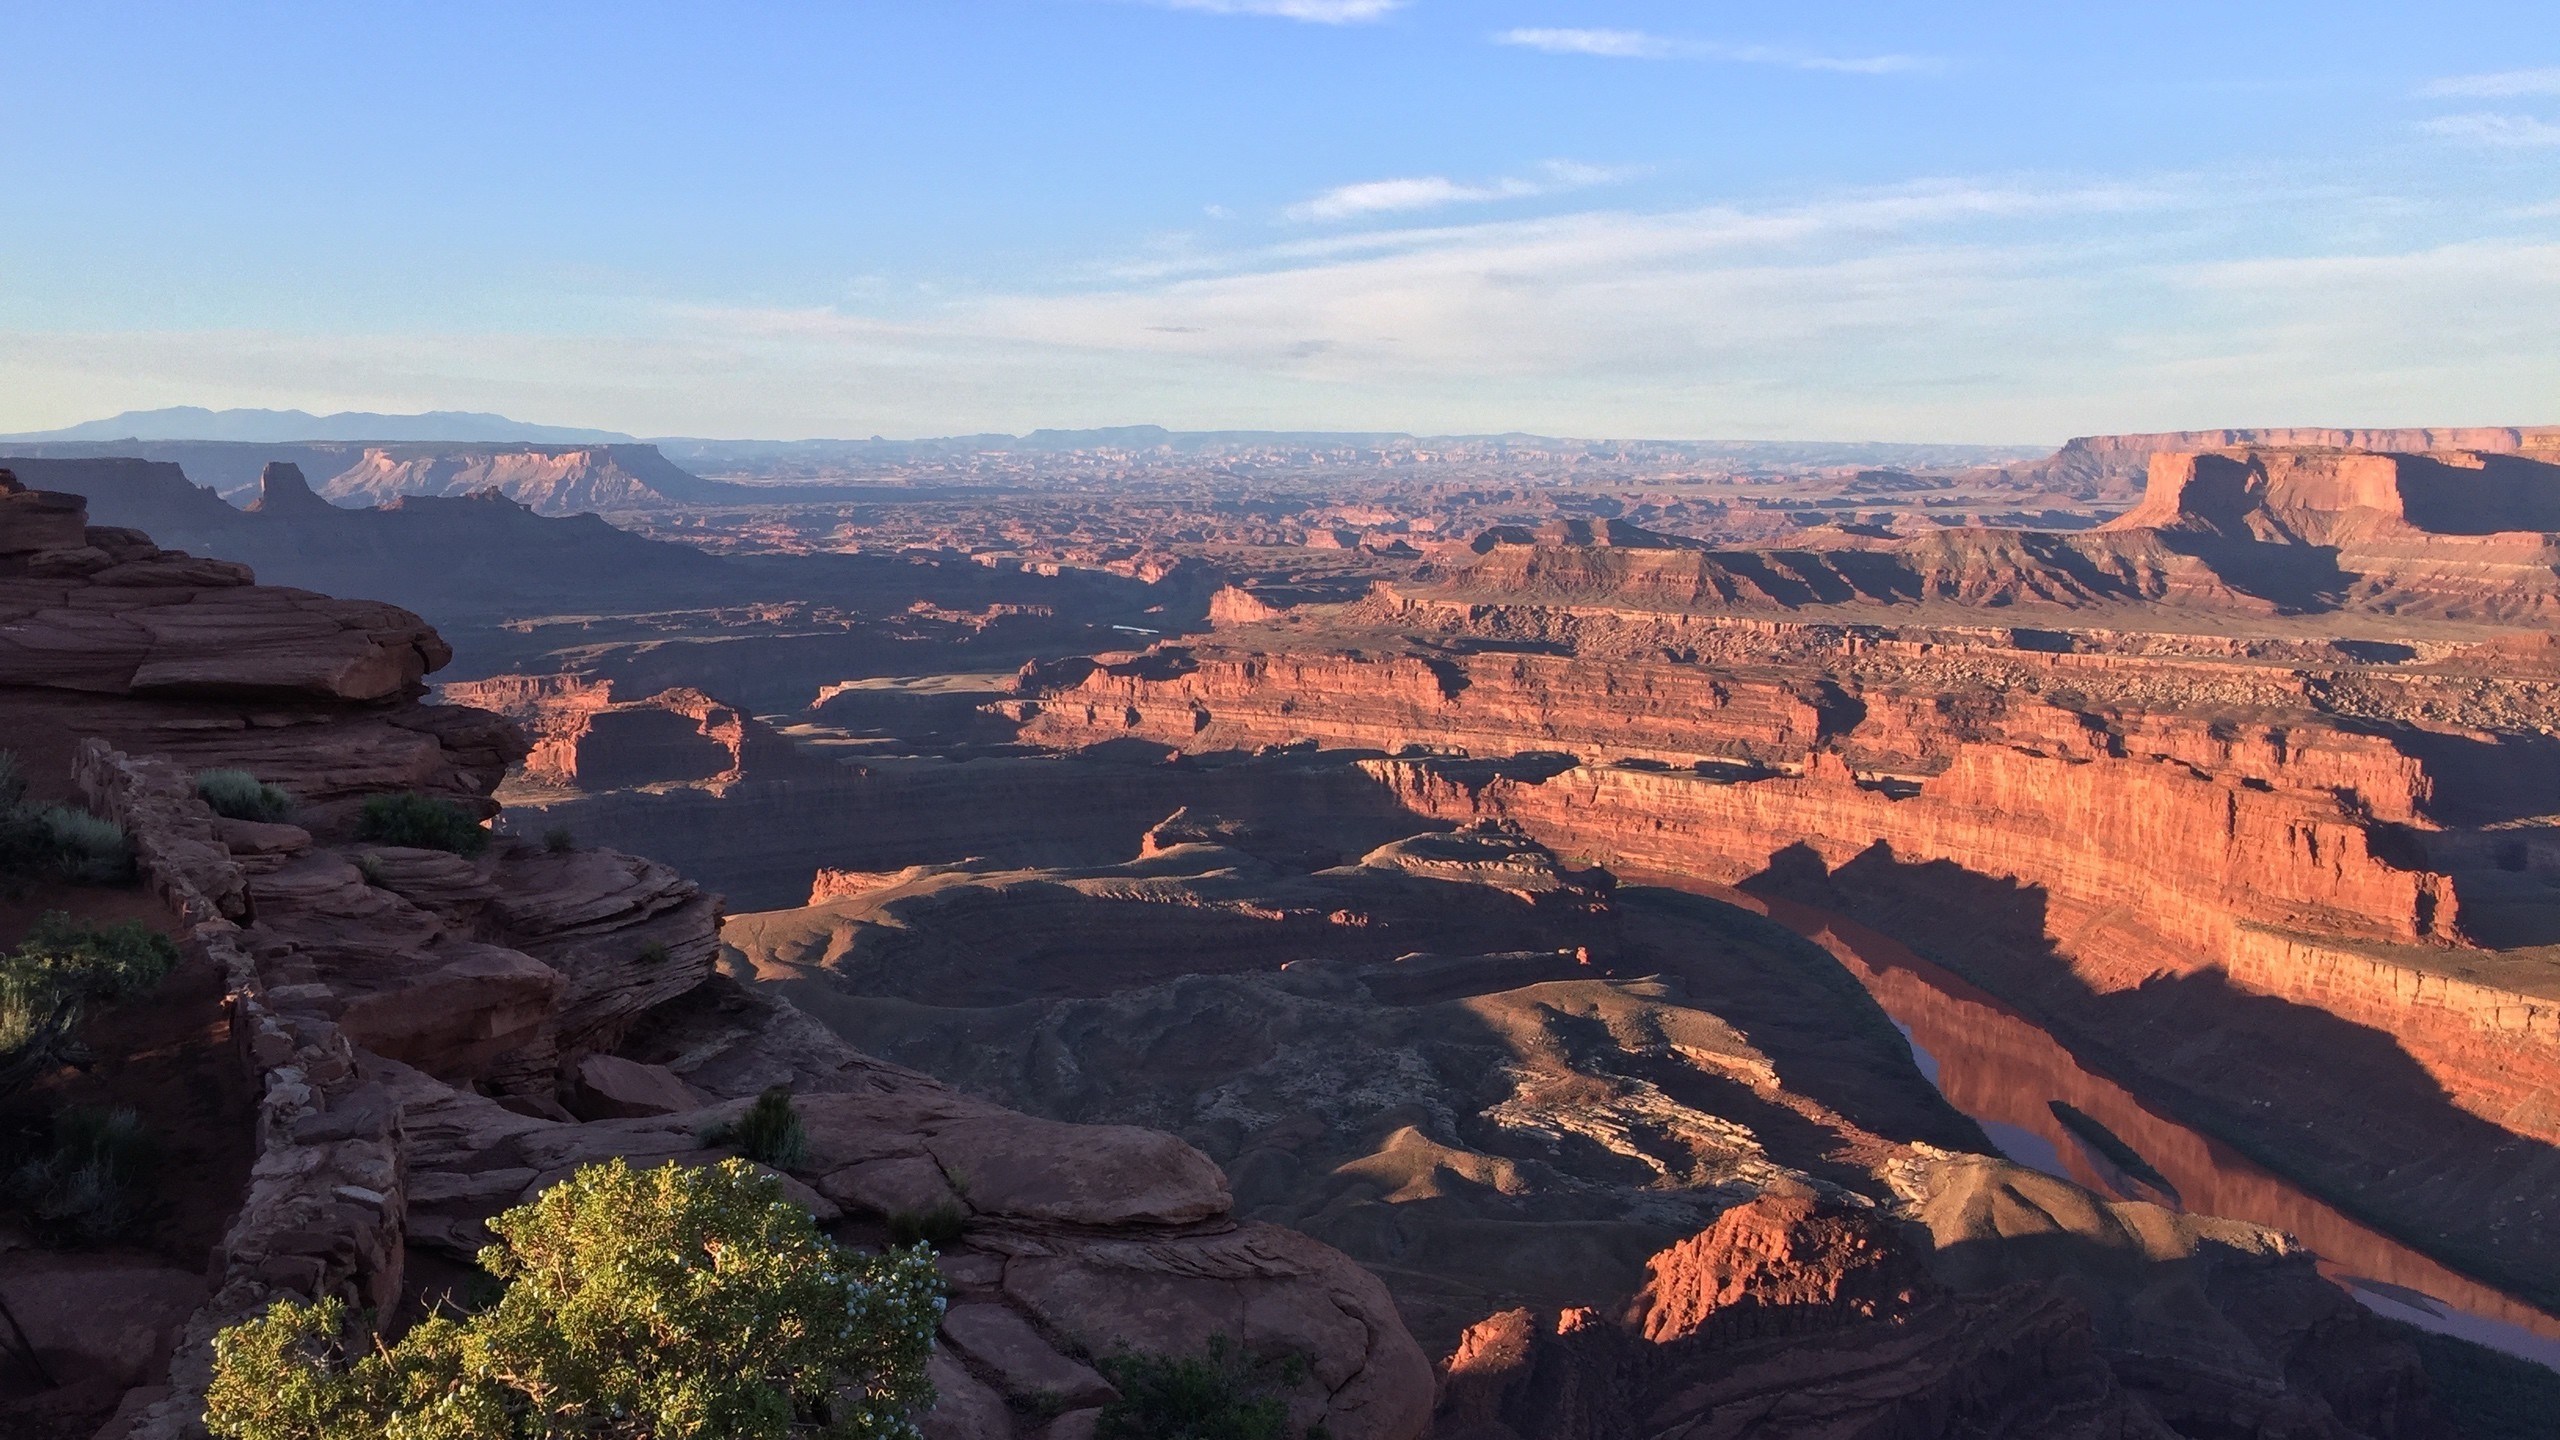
{"type": "Point", "coordinates": [1877, 213]}
{"type": "Point", "coordinates": [1988, 310]}
{"type": "Point", "coordinates": [1639, 45]}
{"type": "Point", "coordinates": [2497, 85]}
{"type": "Point", "coordinates": [1314, 12]}
{"type": "Point", "coordinates": [2505, 132]}
{"type": "Point", "coordinates": [1430, 192]}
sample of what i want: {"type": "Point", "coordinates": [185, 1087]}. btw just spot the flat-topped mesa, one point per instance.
{"type": "Point", "coordinates": [2113, 467]}
{"type": "Point", "coordinates": [1612, 533]}
{"type": "Point", "coordinates": [2343, 497]}
{"type": "Point", "coordinates": [2408, 440]}
{"type": "Point", "coordinates": [552, 479]}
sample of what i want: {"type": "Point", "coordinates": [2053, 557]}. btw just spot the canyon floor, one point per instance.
{"type": "Point", "coordinates": [2066, 948]}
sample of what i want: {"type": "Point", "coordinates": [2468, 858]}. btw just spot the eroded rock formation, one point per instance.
{"type": "Point", "coordinates": [2279, 839]}
{"type": "Point", "coordinates": [584, 739]}
{"type": "Point", "coordinates": [1659, 1102]}
{"type": "Point", "coordinates": [1793, 1316]}
{"type": "Point", "coordinates": [423, 1028]}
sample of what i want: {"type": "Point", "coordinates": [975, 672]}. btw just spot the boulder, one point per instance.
{"type": "Point", "coordinates": [608, 1087]}
{"type": "Point", "coordinates": [32, 521]}
{"type": "Point", "coordinates": [94, 1318]}
{"type": "Point", "coordinates": [1271, 1290]}
{"type": "Point", "coordinates": [260, 838]}
{"type": "Point", "coordinates": [1030, 1169]}
{"type": "Point", "coordinates": [905, 1185]}
{"type": "Point", "coordinates": [964, 1406]}
{"type": "Point", "coordinates": [1026, 1367]}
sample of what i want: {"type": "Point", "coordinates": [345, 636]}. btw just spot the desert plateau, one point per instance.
{"type": "Point", "coordinates": [1280, 720]}
{"type": "Point", "coordinates": [1573, 975]}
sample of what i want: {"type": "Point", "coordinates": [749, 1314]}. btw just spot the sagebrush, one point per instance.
{"type": "Point", "coordinates": [240, 795]}
{"type": "Point", "coordinates": [39, 842]}
{"type": "Point", "coordinates": [1224, 1393]}
{"type": "Point", "coordinates": [768, 1131]}
{"type": "Point", "coordinates": [90, 1184]}
{"type": "Point", "coordinates": [61, 968]}
{"type": "Point", "coordinates": [420, 822]}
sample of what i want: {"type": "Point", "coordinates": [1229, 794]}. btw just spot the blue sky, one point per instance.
{"type": "Point", "coordinates": [1992, 222]}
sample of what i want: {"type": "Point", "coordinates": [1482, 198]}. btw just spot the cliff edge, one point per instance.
{"type": "Point", "coordinates": [430, 1038]}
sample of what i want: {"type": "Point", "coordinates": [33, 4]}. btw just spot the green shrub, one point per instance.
{"type": "Point", "coordinates": [90, 1185]}
{"type": "Point", "coordinates": [654, 953]}
{"type": "Point", "coordinates": [559, 840]}
{"type": "Point", "coordinates": [640, 1305]}
{"type": "Point", "coordinates": [88, 850]}
{"type": "Point", "coordinates": [769, 1132]}
{"type": "Point", "coordinates": [939, 1227]}
{"type": "Point", "coordinates": [56, 840]}
{"type": "Point", "coordinates": [59, 969]}
{"type": "Point", "coordinates": [1224, 1394]}
{"type": "Point", "coordinates": [240, 795]}
{"type": "Point", "coordinates": [26, 847]}
{"type": "Point", "coordinates": [421, 822]}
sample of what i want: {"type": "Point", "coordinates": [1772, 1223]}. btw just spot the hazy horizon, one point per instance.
{"type": "Point", "coordinates": [280, 426]}
{"type": "Point", "coordinates": [1612, 219]}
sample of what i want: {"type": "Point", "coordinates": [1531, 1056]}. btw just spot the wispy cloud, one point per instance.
{"type": "Point", "coordinates": [1953, 308]}
{"type": "Point", "coordinates": [2507, 132]}
{"type": "Point", "coordinates": [1314, 12]}
{"type": "Point", "coordinates": [1580, 296]}
{"type": "Point", "coordinates": [1640, 45]}
{"type": "Point", "coordinates": [2498, 84]}
{"type": "Point", "coordinates": [1988, 309]}
{"type": "Point", "coordinates": [1430, 192]}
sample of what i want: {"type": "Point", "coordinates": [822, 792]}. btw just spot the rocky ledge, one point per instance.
{"type": "Point", "coordinates": [436, 1038]}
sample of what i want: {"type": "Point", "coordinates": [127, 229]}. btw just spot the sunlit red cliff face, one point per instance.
{"type": "Point", "coordinates": [583, 738]}
{"type": "Point", "coordinates": [2249, 796]}
{"type": "Point", "coordinates": [368, 1051]}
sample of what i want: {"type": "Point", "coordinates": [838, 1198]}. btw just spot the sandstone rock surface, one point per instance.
{"type": "Point", "coordinates": [374, 989]}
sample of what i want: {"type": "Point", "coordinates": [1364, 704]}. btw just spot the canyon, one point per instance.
{"type": "Point", "coordinates": [425, 1036]}
{"type": "Point", "coordinates": [2266, 831]}
{"type": "Point", "coordinates": [2058, 947]}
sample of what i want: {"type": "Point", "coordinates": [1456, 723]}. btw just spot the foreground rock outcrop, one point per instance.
{"type": "Point", "coordinates": [423, 1029]}
{"type": "Point", "coordinates": [1792, 1316]}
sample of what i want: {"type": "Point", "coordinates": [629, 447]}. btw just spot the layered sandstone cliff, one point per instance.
{"type": "Point", "coordinates": [1651, 1100]}
{"type": "Point", "coordinates": [2113, 467]}
{"type": "Point", "coordinates": [2285, 842]}
{"type": "Point", "coordinates": [1794, 1315]}
{"type": "Point", "coordinates": [553, 479]}
{"type": "Point", "coordinates": [585, 739]}
{"type": "Point", "coordinates": [2255, 531]}
{"type": "Point", "coordinates": [425, 1031]}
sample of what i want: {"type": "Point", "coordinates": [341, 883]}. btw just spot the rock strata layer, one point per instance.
{"type": "Point", "coordinates": [424, 1029]}
{"type": "Point", "coordinates": [2207, 828]}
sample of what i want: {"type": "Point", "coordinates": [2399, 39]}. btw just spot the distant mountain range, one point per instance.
{"type": "Point", "coordinates": [194, 422]}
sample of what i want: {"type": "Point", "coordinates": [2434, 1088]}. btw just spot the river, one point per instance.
{"type": "Point", "coordinates": [2005, 1071]}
